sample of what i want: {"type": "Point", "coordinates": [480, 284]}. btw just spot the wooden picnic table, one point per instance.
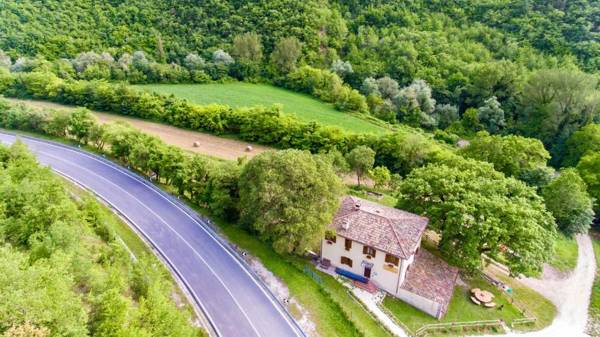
{"type": "Point", "coordinates": [483, 296]}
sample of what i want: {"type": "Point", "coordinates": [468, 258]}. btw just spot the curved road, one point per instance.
{"type": "Point", "coordinates": [230, 296]}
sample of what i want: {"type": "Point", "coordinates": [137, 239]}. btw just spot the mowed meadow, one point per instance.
{"type": "Point", "coordinates": [240, 94]}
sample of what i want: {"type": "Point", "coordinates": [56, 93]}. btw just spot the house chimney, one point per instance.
{"type": "Point", "coordinates": [346, 225]}
{"type": "Point", "coordinates": [356, 206]}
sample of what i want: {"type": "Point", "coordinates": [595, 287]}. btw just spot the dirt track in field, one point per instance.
{"type": "Point", "coordinates": [224, 148]}
{"type": "Point", "coordinates": [219, 147]}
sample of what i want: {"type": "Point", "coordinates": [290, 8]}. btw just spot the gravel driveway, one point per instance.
{"type": "Point", "coordinates": [570, 294]}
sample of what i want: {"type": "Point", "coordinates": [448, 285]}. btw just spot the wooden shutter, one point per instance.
{"type": "Point", "coordinates": [346, 261]}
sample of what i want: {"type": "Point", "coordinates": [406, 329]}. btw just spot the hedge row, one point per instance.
{"type": "Point", "coordinates": [399, 151]}
{"type": "Point", "coordinates": [210, 183]}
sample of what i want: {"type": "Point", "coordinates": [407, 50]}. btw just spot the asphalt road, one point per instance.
{"type": "Point", "coordinates": [232, 299]}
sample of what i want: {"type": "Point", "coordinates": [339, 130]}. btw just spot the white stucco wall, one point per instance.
{"type": "Point", "coordinates": [430, 307]}
{"type": "Point", "coordinates": [404, 266]}
{"type": "Point", "coordinates": [383, 278]}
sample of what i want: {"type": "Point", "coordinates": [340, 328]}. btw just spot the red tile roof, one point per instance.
{"type": "Point", "coordinates": [431, 277]}
{"type": "Point", "coordinates": [385, 228]}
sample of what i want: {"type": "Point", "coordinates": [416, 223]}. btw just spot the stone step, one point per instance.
{"type": "Point", "coordinates": [370, 286]}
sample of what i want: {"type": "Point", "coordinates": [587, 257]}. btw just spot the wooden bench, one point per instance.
{"type": "Point", "coordinates": [475, 300]}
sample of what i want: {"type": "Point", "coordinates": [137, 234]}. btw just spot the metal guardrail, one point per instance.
{"type": "Point", "coordinates": [206, 223]}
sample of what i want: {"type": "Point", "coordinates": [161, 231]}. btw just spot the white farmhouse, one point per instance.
{"type": "Point", "coordinates": [380, 245]}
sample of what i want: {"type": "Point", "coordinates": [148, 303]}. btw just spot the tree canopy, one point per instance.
{"type": "Point", "coordinates": [567, 199]}
{"type": "Point", "coordinates": [289, 197]}
{"type": "Point", "coordinates": [556, 103]}
{"type": "Point", "coordinates": [477, 210]}
{"type": "Point", "coordinates": [64, 270]}
{"type": "Point", "coordinates": [589, 170]}
{"type": "Point", "coordinates": [361, 160]}
{"type": "Point", "coordinates": [582, 142]}
{"type": "Point", "coordinates": [515, 156]}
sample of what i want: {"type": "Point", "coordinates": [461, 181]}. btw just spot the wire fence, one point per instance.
{"type": "Point", "coordinates": [422, 331]}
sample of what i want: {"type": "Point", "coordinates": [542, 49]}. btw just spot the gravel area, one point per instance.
{"type": "Point", "coordinates": [569, 292]}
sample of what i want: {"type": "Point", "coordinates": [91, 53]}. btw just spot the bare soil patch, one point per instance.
{"type": "Point", "coordinates": [224, 148]}
{"type": "Point", "coordinates": [215, 146]}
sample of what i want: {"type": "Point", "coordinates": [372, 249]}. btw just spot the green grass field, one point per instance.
{"type": "Point", "coordinates": [461, 308]}
{"type": "Point", "coordinates": [566, 252]}
{"type": "Point", "coordinates": [240, 94]}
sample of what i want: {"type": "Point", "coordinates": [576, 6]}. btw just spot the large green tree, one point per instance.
{"type": "Point", "coordinates": [80, 124]}
{"type": "Point", "coordinates": [477, 210]}
{"type": "Point", "coordinates": [589, 170]}
{"type": "Point", "coordinates": [247, 47]}
{"type": "Point", "coordinates": [582, 142]}
{"type": "Point", "coordinates": [288, 197]}
{"type": "Point", "coordinates": [556, 103]}
{"type": "Point", "coordinates": [567, 199]}
{"type": "Point", "coordinates": [286, 54]}
{"type": "Point", "coordinates": [513, 155]}
{"type": "Point", "coordinates": [491, 115]}
{"type": "Point", "coordinates": [361, 160]}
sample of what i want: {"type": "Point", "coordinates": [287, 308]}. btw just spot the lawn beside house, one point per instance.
{"type": "Point", "coordinates": [536, 305]}
{"type": "Point", "coordinates": [461, 308]}
{"type": "Point", "coordinates": [381, 197]}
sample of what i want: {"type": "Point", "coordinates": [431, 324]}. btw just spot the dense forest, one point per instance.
{"type": "Point", "coordinates": [464, 66]}
{"type": "Point", "coordinates": [400, 31]}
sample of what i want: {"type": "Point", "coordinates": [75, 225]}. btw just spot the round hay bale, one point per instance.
{"type": "Point", "coordinates": [249, 148]}
{"type": "Point", "coordinates": [196, 144]}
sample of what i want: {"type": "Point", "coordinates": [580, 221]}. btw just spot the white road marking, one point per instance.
{"type": "Point", "coordinates": [152, 188]}
{"type": "Point", "coordinates": [205, 312]}
{"type": "Point", "coordinates": [173, 230]}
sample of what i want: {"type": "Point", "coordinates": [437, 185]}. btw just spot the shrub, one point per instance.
{"type": "Point", "coordinates": [327, 86]}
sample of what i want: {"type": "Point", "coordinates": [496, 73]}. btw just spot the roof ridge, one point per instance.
{"type": "Point", "coordinates": [373, 204]}
{"type": "Point", "coordinates": [391, 225]}
{"type": "Point", "coordinates": [375, 213]}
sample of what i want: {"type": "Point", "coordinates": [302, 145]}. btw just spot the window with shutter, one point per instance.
{"type": "Point", "coordinates": [392, 259]}
{"type": "Point", "coordinates": [369, 251]}
{"type": "Point", "coordinates": [348, 244]}
{"type": "Point", "coordinates": [346, 261]}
